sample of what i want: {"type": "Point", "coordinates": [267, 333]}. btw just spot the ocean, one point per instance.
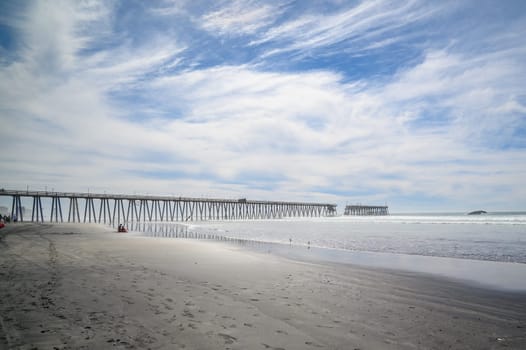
{"type": "Point", "coordinates": [489, 249]}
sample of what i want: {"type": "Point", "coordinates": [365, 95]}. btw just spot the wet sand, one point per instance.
{"type": "Point", "coordinates": [86, 287]}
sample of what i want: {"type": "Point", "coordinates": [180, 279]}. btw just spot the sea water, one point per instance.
{"type": "Point", "coordinates": [488, 249]}
{"type": "Point", "coordinates": [494, 237]}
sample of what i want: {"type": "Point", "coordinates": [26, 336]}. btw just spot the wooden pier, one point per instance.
{"type": "Point", "coordinates": [117, 208]}
{"type": "Point", "coordinates": [366, 210]}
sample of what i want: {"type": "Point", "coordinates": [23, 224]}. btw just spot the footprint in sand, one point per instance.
{"type": "Point", "coordinates": [317, 345]}
{"type": "Point", "coordinates": [271, 347]}
{"type": "Point", "coordinates": [187, 313]}
{"type": "Point", "coordinates": [228, 338]}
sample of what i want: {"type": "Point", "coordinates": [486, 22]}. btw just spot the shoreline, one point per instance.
{"type": "Point", "coordinates": [85, 286]}
{"type": "Point", "coordinates": [487, 274]}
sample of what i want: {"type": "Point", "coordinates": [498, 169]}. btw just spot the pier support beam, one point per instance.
{"type": "Point", "coordinates": [89, 210]}
{"type": "Point", "coordinates": [104, 210]}
{"type": "Point", "coordinates": [56, 210]}
{"type": "Point", "coordinates": [37, 214]}
{"type": "Point", "coordinates": [73, 214]}
{"type": "Point", "coordinates": [16, 209]}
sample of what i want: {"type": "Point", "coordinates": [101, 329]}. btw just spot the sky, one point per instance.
{"type": "Point", "coordinates": [420, 105]}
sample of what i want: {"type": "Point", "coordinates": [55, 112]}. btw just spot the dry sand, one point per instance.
{"type": "Point", "coordinates": [86, 287]}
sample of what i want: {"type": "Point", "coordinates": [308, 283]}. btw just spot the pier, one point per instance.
{"type": "Point", "coordinates": [366, 210]}
{"type": "Point", "coordinates": [118, 208]}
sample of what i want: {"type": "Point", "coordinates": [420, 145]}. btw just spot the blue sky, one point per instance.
{"type": "Point", "coordinates": [417, 104]}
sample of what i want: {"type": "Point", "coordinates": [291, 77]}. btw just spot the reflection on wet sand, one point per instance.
{"type": "Point", "coordinates": [163, 230]}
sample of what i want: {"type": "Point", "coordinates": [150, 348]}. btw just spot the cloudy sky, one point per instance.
{"type": "Point", "coordinates": [417, 104]}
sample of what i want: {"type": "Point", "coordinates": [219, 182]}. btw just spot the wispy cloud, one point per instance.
{"type": "Point", "coordinates": [366, 25]}
{"type": "Point", "coordinates": [240, 18]}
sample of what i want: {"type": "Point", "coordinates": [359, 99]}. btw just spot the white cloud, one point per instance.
{"type": "Point", "coordinates": [233, 130]}
{"type": "Point", "coordinates": [263, 126]}
{"type": "Point", "coordinates": [479, 94]}
{"type": "Point", "coordinates": [240, 120]}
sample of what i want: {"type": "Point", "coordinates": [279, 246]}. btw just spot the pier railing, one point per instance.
{"type": "Point", "coordinates": [112, 208]}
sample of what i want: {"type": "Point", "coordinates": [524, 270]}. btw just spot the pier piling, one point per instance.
{"type": "Point", "coordinates": [366, 210]}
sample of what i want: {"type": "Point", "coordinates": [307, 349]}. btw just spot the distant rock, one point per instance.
{"type": "Point", "coordinates": [478, 212]}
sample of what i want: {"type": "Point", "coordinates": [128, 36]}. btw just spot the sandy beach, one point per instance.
{"type": "Point", "coordinates": [67, 286]}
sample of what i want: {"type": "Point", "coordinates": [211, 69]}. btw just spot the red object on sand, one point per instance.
{"type": "Point", "coordinates": [122, 229]}
{"type": "Point", "coordinates": [2, 225]}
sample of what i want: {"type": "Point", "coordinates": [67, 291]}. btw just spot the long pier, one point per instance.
{"type": "Point", "coordinates": [366, 210]}
{"type": "Point", "coordinates": [117, 208]}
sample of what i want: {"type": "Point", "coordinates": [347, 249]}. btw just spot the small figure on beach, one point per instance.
{"type": "Point", "coordinates": [290, 241]}
{"type": "Point", "coordinates": [122, 228]}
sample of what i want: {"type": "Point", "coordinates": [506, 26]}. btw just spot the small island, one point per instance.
{"type": "Point", "coordinates": [478, 212]}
